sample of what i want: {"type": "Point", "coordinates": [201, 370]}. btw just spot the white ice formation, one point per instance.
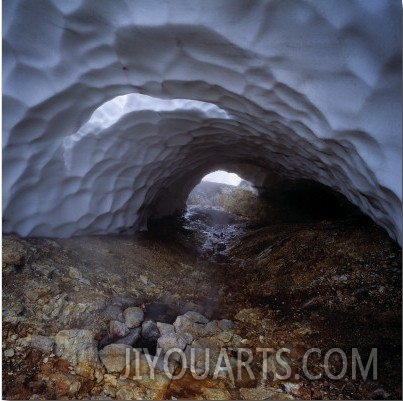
{"type": "Point", "coordinates": [290, 88]}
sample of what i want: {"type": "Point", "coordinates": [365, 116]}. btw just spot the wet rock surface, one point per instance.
{"type": "Point", "coordinates": [72, 308]}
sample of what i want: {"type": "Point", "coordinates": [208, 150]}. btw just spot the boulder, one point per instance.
{"type": "Point", "coordinates": [165, 328]}
{"type": "Point", "coordinates": [133, 317]}
{"type": "Point", "coordinates": [150, 331]}
{"type": "Point", "coordinates": [78, 347]}
{"type": "Point", "coordinates": [131, 338]}
{"type": "Point", "coordinates": [117, 329]}
{"type": "Point", "coordinates": [42, 343]}
{"type": "Point", "coordinates": [113, 357]}
{"type": "Point", "coordinates": [196, 317]}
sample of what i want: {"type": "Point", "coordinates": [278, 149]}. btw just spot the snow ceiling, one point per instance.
{"type": "Point", "coordinates": [264, 89]}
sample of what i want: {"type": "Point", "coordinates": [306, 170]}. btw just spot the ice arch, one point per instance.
{"type": "Point", "coordinates": [306, 89]}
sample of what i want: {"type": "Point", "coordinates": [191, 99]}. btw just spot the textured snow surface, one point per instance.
{"type": "Point", "coordinates": [305, 89]}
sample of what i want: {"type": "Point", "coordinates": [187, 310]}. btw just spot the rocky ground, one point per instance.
{"type": "Point", "coordinates": [230, 274]}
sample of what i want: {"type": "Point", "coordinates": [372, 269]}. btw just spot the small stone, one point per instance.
{"type": "Point", "coordinates": [113, 312]}
{"type": "Point", "coordinates": [171, 340]}
{"type": "Point", "coordinates": [149, 331]}
{"type": "Point", "coordinates": [131, 338]}
{"type": "Point", "coordinates": [113, 357]}
{"type": "Point", "coordinates": [165, 328]}
{"type": "Point", "coordinates": [45, 360]}
{"type": "Point", "coordinates": [74, 273]}
{"type": "Point", "coordinates": [144, 279]}
{"type": "Point", "coordinates": [55, 305]}
{"type": "Point", "coordinates": [133, 317]}
{"type": "Point", "coordinates": [108, 393]}
{"type": "Point", "coordinates": [196, 317]}
{"type": "Point", "coordinates": [212, 328]}
{"type": "Point", "coordinates": [224, 337]}
{"type": "Point", "coordinates": [226, 324]}
{"type": "Point", "coordinates": [110, 379]}
{"type": "Point", "coordinates": [184, 325]}
{"type": "Point", "coordinates": [9, 352]}
{"type": "Point", "coordinates": [118, 329]}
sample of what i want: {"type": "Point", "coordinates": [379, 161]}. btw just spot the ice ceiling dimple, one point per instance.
{"type": "Point", "coordinates": [296, 89]}
{"type": "Point", "coordinates": [113, 110]}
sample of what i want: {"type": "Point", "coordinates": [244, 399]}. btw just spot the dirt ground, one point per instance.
{"type": "Point", "coordinates": [288, 272]}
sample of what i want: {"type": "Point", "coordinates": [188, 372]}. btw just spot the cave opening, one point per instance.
{"type": "Point", "coordinates": [212, 188]}
{"type": "Point", "coordinates": [223, 177]}
{"type": "Point", "coordinates": [223, 207]}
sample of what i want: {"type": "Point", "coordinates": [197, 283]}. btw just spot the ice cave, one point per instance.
{"type": "Point", "coordinates": [202, 199]}
{"type": "Point", "coordinates": [113, 111]}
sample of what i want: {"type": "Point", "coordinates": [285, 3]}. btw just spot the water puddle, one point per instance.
{"type": "Point", "coordinates": [215, 229]}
